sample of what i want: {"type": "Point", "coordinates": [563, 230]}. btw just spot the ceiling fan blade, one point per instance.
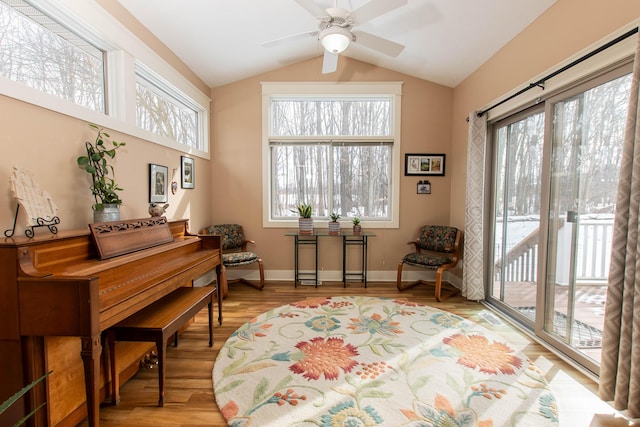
{"type": "Point", "coordinates": [373, 9]}
{"type": "Point", "coordinates": [299, 36]}
{"type": "Point", "coordinates": [312, 8]}
{"type": "Point", "coordinates": [378, 43]}
{"type": "Point", "coordinates": [329, 62]}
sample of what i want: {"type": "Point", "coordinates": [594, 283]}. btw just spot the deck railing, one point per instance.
{"type": "Point", "coordinates": [592, 260]}
{"type": "Point", "coordinates": [521, 261]}
{"type": "Point", "coordinates": [594, 249]}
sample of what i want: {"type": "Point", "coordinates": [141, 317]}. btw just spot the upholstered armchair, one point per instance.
{"type": "Point", "coordinates": [234, 250]}
{"type": "Point", "coordinates": [436, 248]}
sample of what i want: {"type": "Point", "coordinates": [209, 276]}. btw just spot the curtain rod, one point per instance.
{"type": "Point", "coordinates": [540, 83]}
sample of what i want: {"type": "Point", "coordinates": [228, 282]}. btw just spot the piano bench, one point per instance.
{"type": "Point", "coordinates": [156, 323]}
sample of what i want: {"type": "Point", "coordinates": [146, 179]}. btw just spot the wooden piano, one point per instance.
{"type": "Point", "coordinates": [65, 286]}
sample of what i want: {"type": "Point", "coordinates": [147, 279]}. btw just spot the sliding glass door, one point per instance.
{"type": "Point", "coordinates": [555, 183]}
{"type": "Point", "coordinates": [586, 148]}
{"type": "Point", "coordinates": [517, 190]}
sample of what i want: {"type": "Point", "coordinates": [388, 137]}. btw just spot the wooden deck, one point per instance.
{"type": "Point", "coordinates": [589, 312]}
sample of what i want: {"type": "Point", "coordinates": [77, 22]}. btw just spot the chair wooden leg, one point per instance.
{"type": "Point", "coordinates": [399, 278]}
{"type": "Point", "coordinates": [223, 286]}
{"type": "Point", "coordinates": [261, 267]}
{"type": "Point", "coordinates": [451, 290]}
{"type": "Point", "coordinates": [438, 284]}
{"type": "Point", "coordinates": [259, 285]}
{"type": "Point", "coordinates": [399, 284]}
{"type": "Point", "coordinates": [246, 282]}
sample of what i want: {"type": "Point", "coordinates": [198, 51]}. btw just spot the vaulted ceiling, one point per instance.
{"type": "Point", "coordinates": [222, 40]}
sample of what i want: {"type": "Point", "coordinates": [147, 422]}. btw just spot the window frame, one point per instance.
{"type": "Point", "coordinates": [124, 51]}
{"type": "Point", "coordinates": [170, 94]}
{"type": "Point", "coordinates": [314, 89]}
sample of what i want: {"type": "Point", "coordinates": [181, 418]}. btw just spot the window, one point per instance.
{"type": "Point", "coordinates": [40, 53]}
{"type": "Point", "coordinates": [336, 151]}
{"type": "Point", "coordinates": [347, 178]}
{"type": "Point", "coordinates": [165, 111]}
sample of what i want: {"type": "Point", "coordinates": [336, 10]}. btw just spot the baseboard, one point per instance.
{"type": "Point", "coordinates": [336, 275]}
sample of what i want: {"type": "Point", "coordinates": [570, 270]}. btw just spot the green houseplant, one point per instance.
{"type": "Point", "coordinates": [13, 399]}
{"type": "Point", "coordinates": [356, 225]}
{"type": "Point", "coordinates": [334, 225]}
{"type": "Point", "coordinates": [304, 210]}
{"type": "Point", "coordinates": [305, 221]}
{"type": "Point", "coordinates": [96, 163]}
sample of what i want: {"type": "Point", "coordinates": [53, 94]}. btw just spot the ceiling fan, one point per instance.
{"type": "Point", "coordinates": [336, 30]}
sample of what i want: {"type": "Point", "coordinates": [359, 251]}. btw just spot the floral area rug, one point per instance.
{"type": "Point", "coordinates": [363, 361]}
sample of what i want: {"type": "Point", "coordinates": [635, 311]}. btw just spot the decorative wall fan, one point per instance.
{"type": "Point", "coordinates": [336, 30]}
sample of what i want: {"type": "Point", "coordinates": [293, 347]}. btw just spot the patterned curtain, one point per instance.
{"type": "Point", "coordinates": [473, 271]}
{"type": "Point", "coordinates": [620, 365]}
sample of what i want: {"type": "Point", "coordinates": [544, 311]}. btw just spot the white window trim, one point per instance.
{"type": "Point", "coordinates": [270, 89]}
{"type": "Point", "coordinates": [124, 49]}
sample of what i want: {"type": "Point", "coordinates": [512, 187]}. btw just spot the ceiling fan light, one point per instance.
{"type": "Point", "coordinates": [335, 39]}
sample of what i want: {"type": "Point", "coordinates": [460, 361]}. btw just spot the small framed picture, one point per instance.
{"type": "Point", "coordinates": [187, 172]}
{"type": "Point", "coordinates": [158, 183]}
{"type": "Point", "coordinates": [424, 187]}
{"type": "Point", "coordinates": [424, 164]}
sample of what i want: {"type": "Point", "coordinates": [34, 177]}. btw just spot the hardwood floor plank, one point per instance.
{"type": "Point", "coordinates": [189, 400]}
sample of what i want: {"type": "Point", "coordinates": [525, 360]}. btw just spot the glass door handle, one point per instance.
{"type": "Point", "coordinates": [572, 216]}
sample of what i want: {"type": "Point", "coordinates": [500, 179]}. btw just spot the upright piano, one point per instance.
{"type": "Point", "coordinates": [64, 286]}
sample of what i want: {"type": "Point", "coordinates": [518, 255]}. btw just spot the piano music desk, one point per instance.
{"type": "Point", "coordinates": [156, 323]}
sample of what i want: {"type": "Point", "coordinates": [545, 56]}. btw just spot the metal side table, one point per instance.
{"type": "Point", "coordinates": [348, 239]}
{"type": "Point", "coordinates": [361, 239]}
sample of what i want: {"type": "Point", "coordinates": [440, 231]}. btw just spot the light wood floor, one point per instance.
{"type": "Point", "coordinates": [189, 400]}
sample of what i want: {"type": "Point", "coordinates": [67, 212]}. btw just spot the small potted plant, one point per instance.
{"type": "Point", "coordinates": [356, 225]}
{"type": "Point", "coordinates": [305, 221]}
{"type": "Point", "coordinates": [334, 225]}
{"type": "Point", "coordinates": [103, 186]}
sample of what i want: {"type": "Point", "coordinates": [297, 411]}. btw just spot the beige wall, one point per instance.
{"type": "Point", "coordinates": [564, 30]}
{"type": "Point", "coordinates": [237, 165]}
{"type": "Point", "coordinates": [47, 144]}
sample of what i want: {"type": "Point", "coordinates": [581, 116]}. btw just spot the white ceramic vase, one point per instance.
{"type": "Point", "coordinates": [305, 225]}
{"type": "Point", "coordinates": [334, 227]}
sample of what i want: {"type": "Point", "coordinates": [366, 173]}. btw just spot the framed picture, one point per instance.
{"type": "Point", "coordinates": [187, 168]}
{"type": "Point", "coordinates": [424, 187]}
{"type": "Point", "coordinates": [158, 183]}
{"type": "Point", "coordinates": [424, 164]}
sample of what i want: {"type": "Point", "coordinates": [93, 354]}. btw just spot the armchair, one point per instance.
{"type": "Point", "coordinates": [234, 250]}
{"type": "Point", "coordinates": [436, 248]}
